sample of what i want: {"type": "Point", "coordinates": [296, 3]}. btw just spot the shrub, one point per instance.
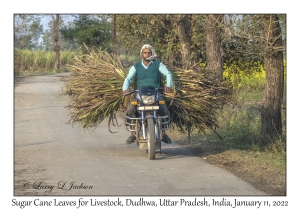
{"type": "Point", "coordinates": [243, 78]}
{"type": "Point", "coordinates": [240, 126]}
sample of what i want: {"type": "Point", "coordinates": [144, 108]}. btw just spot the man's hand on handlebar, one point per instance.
{"type": "Point", "coordinates": [167, 89]}
{"type": "Point", "coordinates": [125, 91]}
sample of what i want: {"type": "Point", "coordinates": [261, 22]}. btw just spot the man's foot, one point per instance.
{"type": "Point", "coordinates": [166, 139]}
{"type": "Point", "coordinates": [130, 139]}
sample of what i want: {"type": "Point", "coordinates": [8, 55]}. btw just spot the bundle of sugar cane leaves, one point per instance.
{"type": "Point", "coordinates": [95, 89]}
{"type": "Point", "coordinates": [193, 103]}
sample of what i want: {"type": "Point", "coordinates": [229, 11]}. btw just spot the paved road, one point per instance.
{"type": "Point", "coordinates": [54, 158]}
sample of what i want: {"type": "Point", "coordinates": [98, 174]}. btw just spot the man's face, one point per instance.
{"type": "Point", "coordinates": [146, 53]}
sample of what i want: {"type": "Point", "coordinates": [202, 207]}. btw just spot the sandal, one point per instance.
{"type": "Point", "coordinates": [130, 139]}
{"type": "Point", "coordinates": [166, 139]}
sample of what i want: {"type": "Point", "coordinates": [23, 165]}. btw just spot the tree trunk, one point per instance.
{"type": "Point", "coordinates": [183, 28]}
{"type": "Point", "coordinates": [271, 125]}
{"type": "Point", "coordinates": [115, 34]}
{"type": "Point", "coordinates": [56, 40]}
{"type": "Point", "coordinates": [214, 58]}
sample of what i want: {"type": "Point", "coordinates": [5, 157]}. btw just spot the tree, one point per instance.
{"type": "Point", "coordinates": [55, 37]}
{"type": "Point", "coordinates": [198, 40]}
{"type": "Point", "coordinates": [48, 42]}
{"type": "Point", "coordinates": [174, 37]}
{"type": "Point", "coordinates": [214, 57]}
{"type": "Point", "coordinates": [115, 34]}
{"type": "Point", "coordinates": [182, 24]}
{"type": "Point", "coordinates": [136, 30]}
{"type": "Point", "coordinates": [252, 38]}
{"type": "Point", "coordinates": [243, 40]}
{"type": "Point", "coordinates": [271, 124]}
{"type": "Point", "coordinates": [91, 30]}
{"type": "Point", "coordinates": [27, 31]}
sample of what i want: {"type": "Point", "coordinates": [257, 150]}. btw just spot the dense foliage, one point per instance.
{"type": "Point", "coordinates": [89, 30]}
{"type": "Point", "coordinates": [161, 31]}
{"type": "Point", "coordinates": [27, 32]}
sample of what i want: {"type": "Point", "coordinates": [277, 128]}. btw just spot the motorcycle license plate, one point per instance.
{"type": "Point", "coordinates": [147, 108]}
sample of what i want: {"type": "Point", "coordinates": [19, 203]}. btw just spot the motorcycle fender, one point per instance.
{"type": "Point", "coordinates": [149, 116]}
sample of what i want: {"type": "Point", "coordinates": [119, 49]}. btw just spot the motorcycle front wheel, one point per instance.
{"type": "Point", "coordinates": [151, 138]}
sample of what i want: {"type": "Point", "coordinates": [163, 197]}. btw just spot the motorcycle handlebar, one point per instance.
{"type": "Point", "coordinates": [133, 91]}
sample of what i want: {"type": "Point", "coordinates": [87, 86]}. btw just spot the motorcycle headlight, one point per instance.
{"type": "Point", "coordinates": [148, 99]}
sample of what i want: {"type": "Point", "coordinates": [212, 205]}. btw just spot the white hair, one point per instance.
{"type": "Point", "coordinates": [148, 46]}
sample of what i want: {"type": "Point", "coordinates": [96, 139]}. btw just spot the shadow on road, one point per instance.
{"type": "Point", "coordinates": [174, 153]}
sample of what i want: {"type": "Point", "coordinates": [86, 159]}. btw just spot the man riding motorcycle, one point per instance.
{"type": "Point", "coordinates": [147, 73]}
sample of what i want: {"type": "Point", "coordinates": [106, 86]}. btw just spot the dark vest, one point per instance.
{"type": "Point", "coordinates": [148, 77]}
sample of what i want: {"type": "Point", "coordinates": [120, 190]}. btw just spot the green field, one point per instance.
{"type": "Point", "coordinates": [27, 62]}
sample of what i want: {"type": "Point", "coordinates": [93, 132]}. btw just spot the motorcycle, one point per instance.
{"type": "Point", "coordinates": [148, 127]}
